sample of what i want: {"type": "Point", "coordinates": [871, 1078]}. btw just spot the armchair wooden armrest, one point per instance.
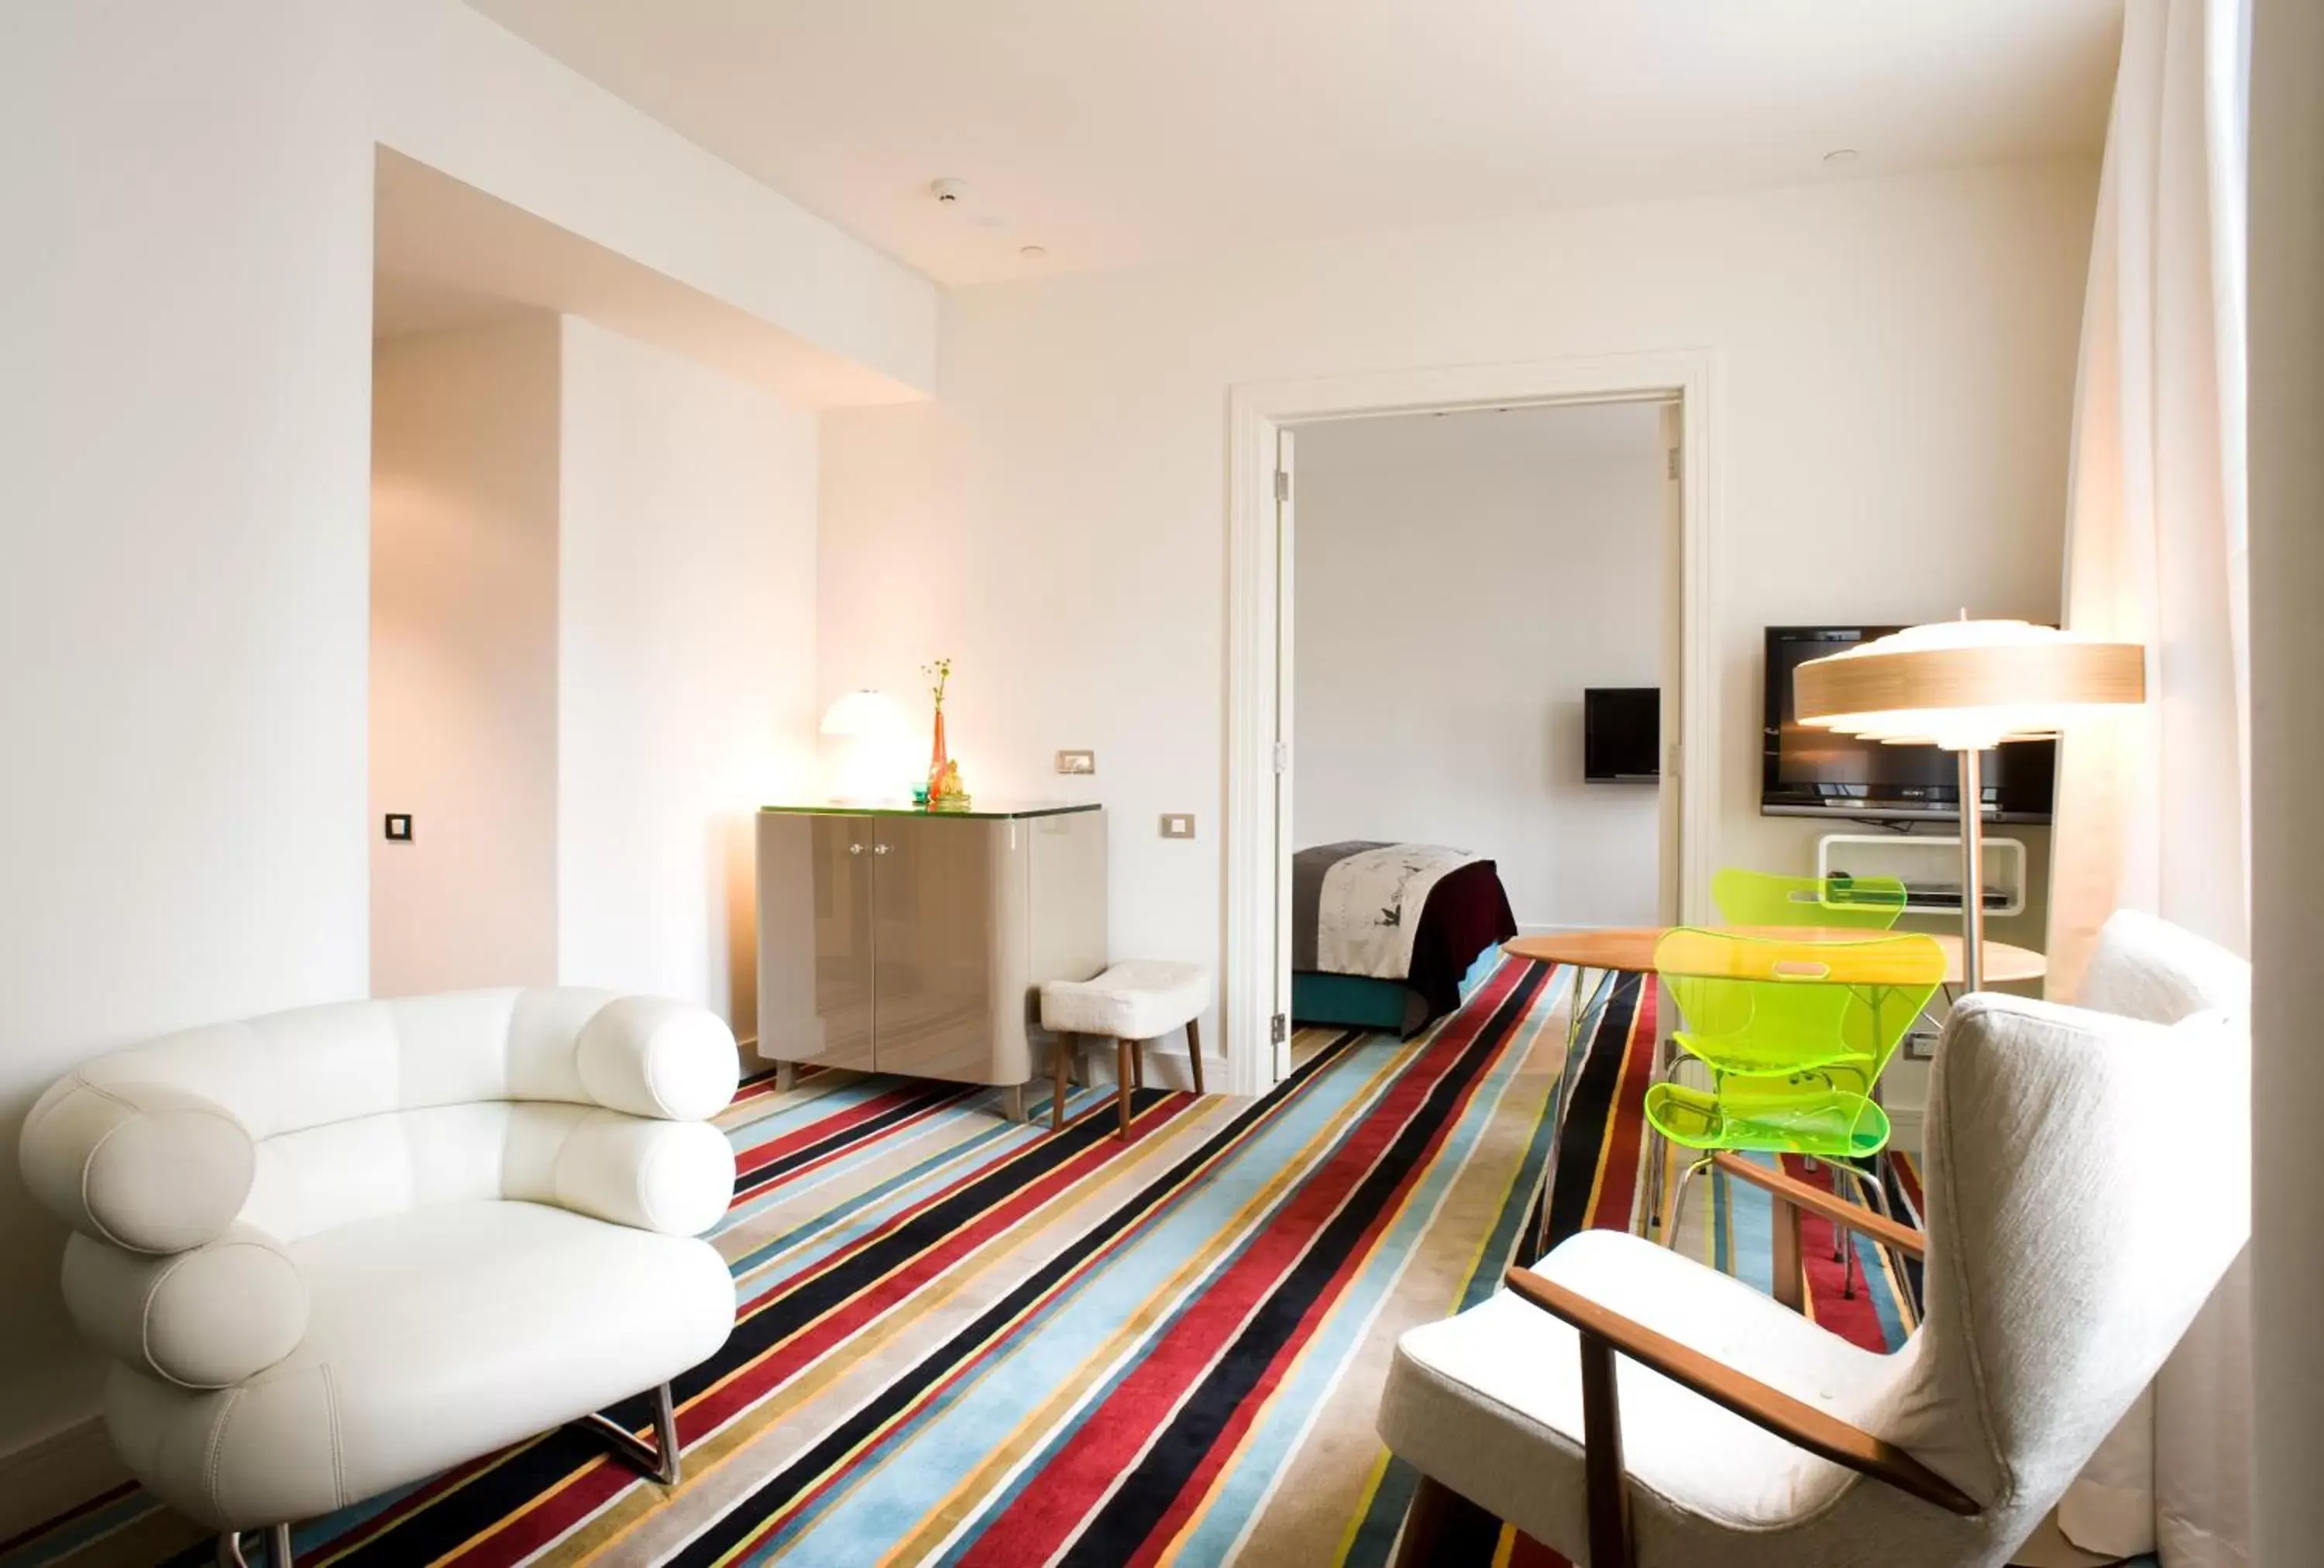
{"type": "Point", "coordinates": [1605, 1333]}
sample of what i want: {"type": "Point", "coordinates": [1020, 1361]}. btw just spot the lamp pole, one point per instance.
{"type": "Point", "coordinates": [1972, 837]}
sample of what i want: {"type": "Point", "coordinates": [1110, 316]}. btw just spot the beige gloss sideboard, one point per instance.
{"type": "Point", "coordinates": [903, 940]}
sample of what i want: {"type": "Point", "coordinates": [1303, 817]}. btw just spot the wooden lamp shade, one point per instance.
{"type": "Point", "coordinates": [1964, 685]}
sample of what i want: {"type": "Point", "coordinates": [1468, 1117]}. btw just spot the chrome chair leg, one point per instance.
{"type": "Point", "coordinates": [1868, 1189]}
{"type": "Point", "coordinates": [662, 1465]}
{"type": "Point", "coordinates": [1678, 1199]}
{"type": "Point", "coordinates": [278, 1549]}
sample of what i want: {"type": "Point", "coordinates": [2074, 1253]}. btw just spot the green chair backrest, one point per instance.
{"type": "Point", "coordinates": [1776, 1007]}
{"type": "Point", "coordinates": [1749, 897]}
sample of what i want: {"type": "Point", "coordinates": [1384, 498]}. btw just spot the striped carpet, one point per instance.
{"type": "Point", "coordinates": [966, 1341]}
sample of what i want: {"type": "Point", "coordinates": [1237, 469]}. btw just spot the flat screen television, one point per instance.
{"type": "Point", "coordinates": [1622, 734]}
{"type": "Point", "coordinates": [1813, 772]}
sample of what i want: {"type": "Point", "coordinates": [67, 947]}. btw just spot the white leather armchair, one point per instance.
{"type": "Point", "coordinates": [334, 1250]}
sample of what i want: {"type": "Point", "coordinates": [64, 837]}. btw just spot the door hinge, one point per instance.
{"type": "Point", "coordinates": [1278, 1029]}
{"type": "Point", "coordinates": [1282, 756]}
{"type": "Point", "coordinates": [1283, 484]}
{"type": "Point", "coordinates": [1677, 756]}
{"type": "Point", "coordinates": [1673, 462]}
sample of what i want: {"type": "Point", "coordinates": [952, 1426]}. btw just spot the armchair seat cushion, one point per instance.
{"type": "Point", "coordinates": [1489, 1403]}
{"type": "Point", "coordinates": [433, 1334]}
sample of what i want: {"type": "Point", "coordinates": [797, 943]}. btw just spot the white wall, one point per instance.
{"type": "Point", "coordinates": [185, 306]}
{"type": "Point", "coordinates": [464, 658]}
{"type": "Point", "coordinates": [184, 478]}
{"type": "Point", "coordinates": [1894, 366]}
{"type": "Point", "coordinates": [1459, 581]}
{"type": "Point", "coordinates": [686, 616]}
{"type": "Point", "coordinates": [2287, 582]}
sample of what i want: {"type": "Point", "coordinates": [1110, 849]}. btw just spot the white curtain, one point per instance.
{"type": "Point", "coordinates": [2152, 801]}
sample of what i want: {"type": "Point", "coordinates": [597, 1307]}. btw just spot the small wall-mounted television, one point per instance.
{"type": "Point", "coordinates": [1813, 772]}
{"type": "Point", "coordinates": [1622, 734]}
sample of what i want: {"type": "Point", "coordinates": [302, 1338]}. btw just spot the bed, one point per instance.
{"type": "Point", "coordinates": [1383, 935]}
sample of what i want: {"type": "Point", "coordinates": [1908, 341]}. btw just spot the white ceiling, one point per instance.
{"type": "Point", "coordinates": [1473, 437]}
{"type": "Point", "coordinates": [1115, 131]}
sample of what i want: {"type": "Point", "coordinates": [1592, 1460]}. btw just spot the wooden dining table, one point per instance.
{"type": "Point", "coordinates": [1612, 952]}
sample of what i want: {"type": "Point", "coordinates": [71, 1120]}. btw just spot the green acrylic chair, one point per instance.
{"type": "Point", "coordinates": [1794, 1033]}
{"type": "Point", "coordinates": [1763, 899]}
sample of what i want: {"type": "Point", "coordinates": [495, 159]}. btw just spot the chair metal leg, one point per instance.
{"type": "Point", "coordinates": [278, 1549]}
{"type": "Point", "coordinates": [659, 1463]}
{"type": "Point", "coordinates": [1059, 1066]}
{"type": "Point", "coordinates": [1868, 1194]}
{"type": "Point", "coordinates": [1678, 1199]}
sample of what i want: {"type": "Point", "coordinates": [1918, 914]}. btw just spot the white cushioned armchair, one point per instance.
{"type": "Point", "coordinates": [334, 1250]}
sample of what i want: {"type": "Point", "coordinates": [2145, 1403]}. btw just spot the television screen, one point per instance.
{"type": "Point", "coordinates": [1815, 772]}
{"type": "Point", "coordinates": [1621, 732]}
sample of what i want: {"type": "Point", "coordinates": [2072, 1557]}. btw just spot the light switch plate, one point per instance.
{"type": "Point", "coordinates": [1177, 825]}
{"type": "Point", "coordinates": [1076, 761]}
{"type": "Point", "coordinates": [1920, 1046]}
{"type": "Point", "coordinates": [398, 828]}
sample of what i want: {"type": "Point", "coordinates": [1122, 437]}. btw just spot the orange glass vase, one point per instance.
{"type": "Point", "coordinates": [938, 757]}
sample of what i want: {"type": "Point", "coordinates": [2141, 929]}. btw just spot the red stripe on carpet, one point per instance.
{"type": "Point", "coordinates": [1075, 1479]}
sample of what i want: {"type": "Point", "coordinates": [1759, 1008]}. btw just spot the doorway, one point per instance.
{"type": "Point", "coordinates": [1262, 752]}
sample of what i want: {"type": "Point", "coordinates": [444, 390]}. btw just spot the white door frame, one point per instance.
{"type": "Point", "coordinates": [1258, 613]}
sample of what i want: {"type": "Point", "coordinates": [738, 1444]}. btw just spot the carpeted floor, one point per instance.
{"type": "Point", "coordinates": [965, 1342]}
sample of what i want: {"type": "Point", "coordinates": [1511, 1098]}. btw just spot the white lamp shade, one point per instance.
{"type": "Point", "coordinates": [864, 715]}
{"type": "Point", "coordinates": [1966, 686]}
{"type": "Point", "coordinates": [869, 760]}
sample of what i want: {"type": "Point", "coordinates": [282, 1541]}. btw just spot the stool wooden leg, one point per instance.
{"type": "Point", "coordinates": [1123, 1051]}
{"type": "Point", "coordinates": [1138, 1063]}
{"type": "Point", "coordinates": [1065, 1049]}
{"type": "Point", "coordinates": [1195, 1050]}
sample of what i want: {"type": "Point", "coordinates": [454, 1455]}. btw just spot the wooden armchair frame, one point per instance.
{"type": "Point", "coordinates": [1437, 1511]}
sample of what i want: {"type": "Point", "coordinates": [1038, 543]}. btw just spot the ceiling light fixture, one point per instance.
{"type": "Point", "coordinates": [1840, 156]}
{"type": "Point", "coordinates": [1032, 253]}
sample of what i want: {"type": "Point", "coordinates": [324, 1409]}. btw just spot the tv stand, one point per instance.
{"type": "Point", "coordinates": [1929, 867]}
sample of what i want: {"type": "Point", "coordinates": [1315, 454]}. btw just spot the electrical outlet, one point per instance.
{"type": "Point", "coordinates": [1920, 1046]}
{"type": "Point", "coordinates": [1076, 761]}
{"type": "Point", "coordinates": [1177, 825]}
{"type": "Point", "coordinates": [398, 828]}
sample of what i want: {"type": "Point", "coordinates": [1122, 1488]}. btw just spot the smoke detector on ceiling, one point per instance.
{"type": "Point", "coordinates": [947, 192]}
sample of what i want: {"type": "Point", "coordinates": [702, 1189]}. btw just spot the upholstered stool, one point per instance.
{"type": "Point", "coordinates": [1130, 1004]}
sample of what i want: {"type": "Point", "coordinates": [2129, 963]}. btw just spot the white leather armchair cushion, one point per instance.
{"type": "Point", "coordinates": [148, 1166]}
{"type": "Point", "coordinates": [203, 1319]}
{"type": "Point", "coordinates": [651, 1057]}
{"type": "Point", "coordinates": [433, 1336]}
{"type": "Point", "coordinates": [672, 1177]}
{"type": "Point", "coordinates": [1139, 1001]}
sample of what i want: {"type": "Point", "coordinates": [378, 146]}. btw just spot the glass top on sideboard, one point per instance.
{"type": "Point", "coordinates": [976, 809]}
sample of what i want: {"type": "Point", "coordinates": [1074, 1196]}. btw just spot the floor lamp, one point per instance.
{"type": "Point", "coordinates": [1965, 686]}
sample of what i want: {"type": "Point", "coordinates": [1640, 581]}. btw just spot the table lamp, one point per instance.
{"type": "Point", "coordinates": [1964, 685]}
{"type": "Point", "coordinates": [870, 727]}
